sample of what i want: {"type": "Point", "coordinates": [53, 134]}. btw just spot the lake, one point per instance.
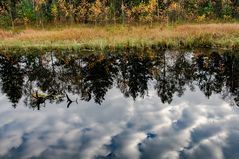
{"type": "Point", "coordinates": [129, 104]}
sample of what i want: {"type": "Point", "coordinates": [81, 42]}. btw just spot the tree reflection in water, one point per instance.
{"type": "Point", "coordinates": [55, 75]}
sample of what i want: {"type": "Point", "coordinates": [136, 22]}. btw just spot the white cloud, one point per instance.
{"type": "Point", "coordinates": [191, 126]}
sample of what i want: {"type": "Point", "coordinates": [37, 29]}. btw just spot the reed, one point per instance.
{"type": "Point", "coordinates": [100, 37]}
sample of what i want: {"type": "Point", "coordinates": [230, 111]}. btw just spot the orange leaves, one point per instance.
{"type": "Point", "coordinates": [99, 11]}
{"type": "Point", "coordinates": [82, 11]}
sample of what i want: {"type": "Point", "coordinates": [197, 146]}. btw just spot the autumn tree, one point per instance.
{"type": "Point", "coordinates": [82, 11]}
{"type": "Point", "coordinates": [99, 11]}
{"type": "Point", "coordinates": [38, 6]}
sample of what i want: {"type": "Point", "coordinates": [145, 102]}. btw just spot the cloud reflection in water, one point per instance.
{"type": "Point", "coordinates": [187, 128]}
{"type": "Point", "coordinates": [154, 123]}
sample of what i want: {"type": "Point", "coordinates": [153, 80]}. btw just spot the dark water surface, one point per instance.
{"type": "Point", "coordinates": [141, 105]}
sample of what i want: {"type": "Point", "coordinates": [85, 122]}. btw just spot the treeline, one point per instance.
{"type": "Point", "coordinates": [40, 12]}
{"type": "Point", "coordinates": [133, 73]}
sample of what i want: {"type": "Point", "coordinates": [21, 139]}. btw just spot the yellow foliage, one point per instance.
{"type": "Point", "coordinates": [201, 18]}
{"type": "Point", "coordinates": [145, 12]}
{"type": "Point", "coordinates": [82, 10]}
{"type": "Point", "coordinates": [97, 8]}
{"type": "Point", "coordinates": [128, 13]}
{"type": "Point", "coordinates": [54, 10]}
{"type": "Point", "coordinates": [25, 20]}
{"type": "Point", "coordinates": [152, 6]}
{"type": "Point", "coordinates": [175, 12]}
{"type": "Point", "coordinates": [66, 10]}
{"type": "Point", "coordinates": [99, 11]}
{"type": "Point", "coordinates": [227, 17]}
{"type": "Point", "coordinates": [39, 3]}
{"type": "Point", "coordinates": [62, 7]}
{"type": "Point", "coordinates": [39, 95]}
{"type": "Point", "coordinates": [175, 7]}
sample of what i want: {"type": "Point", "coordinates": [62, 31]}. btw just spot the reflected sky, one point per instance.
{"type": "Point", "coordinates": [123, 128]}
{"type": "Point", "coordinates": [191, 126]}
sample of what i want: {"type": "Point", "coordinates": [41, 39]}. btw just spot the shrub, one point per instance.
{"type": "Point", "coordinates": [175, 12]}
{"type": "Point", "coordinates": [5, 20]}
{"type": "Point", "coordinates": [227, 10]}
{"type": "Point", "coordinates": [26, 11]}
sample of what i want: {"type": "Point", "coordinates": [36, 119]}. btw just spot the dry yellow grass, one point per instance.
{"type": "Point", "coordinates": [5, 34]}
{"type": "Point", "coordinates": [187, 35]}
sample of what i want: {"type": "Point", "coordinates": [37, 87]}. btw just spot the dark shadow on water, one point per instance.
{"type": "Point", "coordinates": [55, 77]}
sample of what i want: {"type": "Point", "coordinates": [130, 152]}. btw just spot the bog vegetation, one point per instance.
{"type": "Point", "coordinates": [42, 12]}
{"type": "Point", "coordinates": [98, 37]}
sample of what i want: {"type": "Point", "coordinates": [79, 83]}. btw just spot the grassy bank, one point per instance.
{"type": "Point", "coordinates": [100, 37]}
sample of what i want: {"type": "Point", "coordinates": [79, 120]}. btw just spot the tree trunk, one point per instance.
{"type": "Point", "coordinates": [13, 12]}
{"type": "Point", "coordinates": [218, 8]}
{"type": "Point", "coordinates": [235, 4]}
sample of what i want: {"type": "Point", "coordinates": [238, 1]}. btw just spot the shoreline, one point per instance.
{"type": "Point", "coordinates": [183, 36]}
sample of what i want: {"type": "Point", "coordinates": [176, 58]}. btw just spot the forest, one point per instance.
{"type": "Point", "coordinates": [91, 77]}
{"type": "Point", "coordinates": [43, 12]}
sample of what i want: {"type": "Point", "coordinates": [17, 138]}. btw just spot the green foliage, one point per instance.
{"type": "Point", "coordinates": [26, 11]}
{"type": "Point", "coordinates": [206, 8]}
{"type": "Point", "coordinates": [5, 20]}
{"type": "Point", "coordinates": [227, 10]}
{"type": "Point", "coordinates": [54, 11]}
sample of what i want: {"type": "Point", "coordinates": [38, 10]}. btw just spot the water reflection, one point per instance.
{"type": "Point", "coordinates": [154, 105]}
{"type": "Point", "coordinates": [50, 76]}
